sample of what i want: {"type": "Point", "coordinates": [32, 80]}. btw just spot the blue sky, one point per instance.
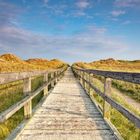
{"type": "Point", "coordinates": [71, 30]}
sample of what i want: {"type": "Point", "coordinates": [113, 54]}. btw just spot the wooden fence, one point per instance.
{"type": "Point", "coordinates": [29, 95]}
{"type": "Point", "coordinates": [84, 75]}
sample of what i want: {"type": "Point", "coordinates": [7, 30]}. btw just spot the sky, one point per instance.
{"type": "Point", "coordinates": [70, 30]}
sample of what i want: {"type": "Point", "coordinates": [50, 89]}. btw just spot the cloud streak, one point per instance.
{"type": "Point", "coordinates": [8, 13]}
{"type": "Point", "coordinates": [117, 13]}
{"type": "Point", "coordinates": [82, 4]}
{"type": "Point", "coordinates": [127, 3]}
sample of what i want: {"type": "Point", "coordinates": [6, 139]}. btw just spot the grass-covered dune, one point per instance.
{"type": "Point", "coordinates": [12, 63]}
{"type": "Point", "coordinates": [112, 65]}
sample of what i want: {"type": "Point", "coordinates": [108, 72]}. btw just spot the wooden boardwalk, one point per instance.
{"type": "Point", "coordinates": [67, 114]}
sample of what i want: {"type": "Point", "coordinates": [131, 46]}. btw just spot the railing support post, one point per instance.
{"type": "Point", "coordinates": [52, 76]}
{"type": "Point", "coordinates": [26, 91]}
{"type": "Point", "coordinates": [83, 76]}
{"type": "Point", "coordinates": [107, 91]}
{"type": "Point", "coordinates": [89, 79]}
{"type": "Point", "coordinates": [59, 72]}
{"type": "Point", "coordinates": [56, 74]}
{"type": "Point", "coordinates": [45, 91]}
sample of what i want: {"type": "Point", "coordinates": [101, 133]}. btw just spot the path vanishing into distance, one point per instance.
{"type": "Point", "coordinates": [67, 114]}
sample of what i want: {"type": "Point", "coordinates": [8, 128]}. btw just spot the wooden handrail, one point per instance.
{"type": "Point", "coordinates": [125, 112]}
{"type": "Point", "coordinates": [26, 102]}
{"type": "Point", "coordinates": [124, 76]}
{"type": "Point", "coordinates": [15, 76]}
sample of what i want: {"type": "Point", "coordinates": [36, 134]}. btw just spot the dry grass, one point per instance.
{"type": "Point", "coordinates": [12, 63]}
{"type": "Point", "coordinates": [113, 65]}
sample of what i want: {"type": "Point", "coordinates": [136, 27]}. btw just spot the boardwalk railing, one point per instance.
{"type": "Point", "coordinates": [26, 102]}
{"type": "Point", "coordinates": [84, 75]}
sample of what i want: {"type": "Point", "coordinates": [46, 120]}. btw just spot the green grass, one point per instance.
{"type": "Point", "coordinates": [9, 95]}
{"type": "Point", "coordinates": [123, 125]}
{"type": "Point", "coordinates": [132, 90]}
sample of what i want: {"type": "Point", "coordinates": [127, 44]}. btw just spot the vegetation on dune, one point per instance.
{"type": "Point", "coordinates": [112, 64]}
{"type": "Point", "coordinates": [12, 63]}
{"type": "Point", "coordinates": [44, 63]}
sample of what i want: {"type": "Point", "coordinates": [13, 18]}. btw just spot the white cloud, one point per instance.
{"type": "Point", "coordinates": [46, 1]}
{"type": "Point", "coordinates": [127, 3]}
{"type": "Point", "coordinates": [116, 13]}
{"type": "Point", "coordinates": [79, 13]}
{"type": "Point", "coordinates": [126, 22]}
{"type": "Point", "coordinates": [82, 4]}
{"type": "Point", "coordinates": [94, 29]}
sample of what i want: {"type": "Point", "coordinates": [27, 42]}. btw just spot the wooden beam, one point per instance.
{"type": "Point", "coordinates": [45, 90]}
{"type": "Point", "coordinates": [27, 91]}
{"type": "Point", "coordinates": [106, 105]}
{"type": "Point", "coordinates": [52, 82]}
{"type": "Point", "coordinates": [124, 76]}
{"type": "Point", "coordinates": [15, 76]}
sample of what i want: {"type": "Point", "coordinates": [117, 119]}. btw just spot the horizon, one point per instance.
{"type": "Point", "coordinates": [72, 31]}
{"type": "Point", "coordinates": [67, 62]}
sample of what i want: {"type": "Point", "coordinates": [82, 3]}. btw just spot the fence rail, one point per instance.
{"type": "Point", "coordinates": [27, 101]}
{"type": "Point", "coordinates": [129, 77]}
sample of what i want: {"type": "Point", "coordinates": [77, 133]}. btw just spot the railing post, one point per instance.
{"type": "Point", "coordinates": [81, 77]}
{"type": "Point", "coordinates": [78, 73]}
{"type": "Point", "coordinates": [107, 91]}
{"type": "Point", "coordinates": [45, 91]}
{"type": "Point", "coordinates": [56, 76]}
{"type": "Point", "coordinates": [89, 79]}
{"type": "Point", "coordinates": [59, 75]}
{"type": "Point", "coordinates": [26, 91]}
{"type": "Point", "coordinates": [52, 76]}
{"type": "Point", "coordinates": [86, 78]}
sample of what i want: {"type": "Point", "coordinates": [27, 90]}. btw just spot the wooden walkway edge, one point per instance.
{"type": "Point", "coordinates": [67, 114]}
